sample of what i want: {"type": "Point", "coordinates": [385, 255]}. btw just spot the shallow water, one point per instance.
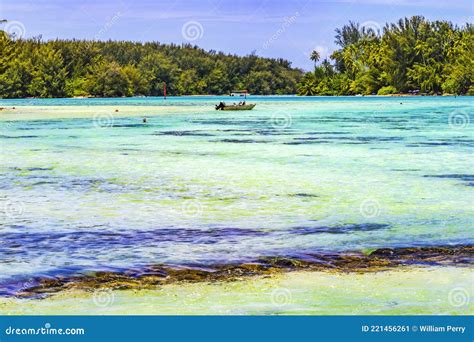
{"type": "Point", "coordinates": [415, 291]}
{"type": "Point", "coordinates": [85, 188]}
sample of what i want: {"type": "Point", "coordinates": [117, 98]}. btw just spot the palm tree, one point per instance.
{"type": "Point", "coordinates": [315, 56]}
{"type": "Point", "coordinates": [327, 67]}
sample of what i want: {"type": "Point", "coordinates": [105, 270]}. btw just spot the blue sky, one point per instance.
{"type": "Point", "coordinates": [289, 29]}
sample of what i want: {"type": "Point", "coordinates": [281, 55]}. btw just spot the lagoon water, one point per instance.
{"type": "Point", "coordinates": [85, 188]}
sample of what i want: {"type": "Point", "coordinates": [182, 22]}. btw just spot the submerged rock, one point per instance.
{"type": "Point", "coordinates": [154, 275]}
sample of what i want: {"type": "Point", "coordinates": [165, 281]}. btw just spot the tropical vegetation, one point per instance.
{"type": "Point", "coordinates": [413, 55]}
{"type": "Point", "coordinates": [65, 68]}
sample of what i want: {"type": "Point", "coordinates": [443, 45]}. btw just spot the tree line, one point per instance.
{"type": "Point", "coordinates": [65, 68]}
{"type": "Point", "coordinates": [411, 55]}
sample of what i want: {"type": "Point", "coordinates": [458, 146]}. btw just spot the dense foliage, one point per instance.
{"type": "Point", "coordinates": [413, 54]}
{"type": "Point", "coordinates": [63, 68]}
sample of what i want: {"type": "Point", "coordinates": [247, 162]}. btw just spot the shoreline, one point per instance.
{"type": "Point", "coordinates": [224, 95]}
{"type": "Point", "coordinates": [382, 259]}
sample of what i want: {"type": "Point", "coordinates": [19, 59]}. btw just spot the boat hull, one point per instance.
{"type": "Point", "coordinates": [241, 107]}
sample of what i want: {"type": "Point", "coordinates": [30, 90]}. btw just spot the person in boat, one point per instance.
{"type": "Point", "coordinates": [221, 105]}
{"type": "Point", "coordinates": [144, 119]}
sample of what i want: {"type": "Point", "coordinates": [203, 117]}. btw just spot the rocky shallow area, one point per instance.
{"type": "Point", "coordinates": [382, 259]}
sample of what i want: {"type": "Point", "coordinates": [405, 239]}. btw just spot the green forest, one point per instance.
{"type": "Point", "coordinates": [65, 68]}
{"type": "Point", "coordinates": [413, 54]}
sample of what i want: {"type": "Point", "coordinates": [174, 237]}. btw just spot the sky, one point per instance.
{"type": "Point", "coordinates": [288, 29]}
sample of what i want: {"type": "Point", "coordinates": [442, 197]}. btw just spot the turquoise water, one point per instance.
{"type": "Point", "coordinates": [81, 191]}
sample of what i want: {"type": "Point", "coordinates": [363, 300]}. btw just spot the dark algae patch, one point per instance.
{"type": "Point", "coordinates": [155, 275]}
{"type": "Point", "coordinates": [185, 133]}
{"type": "Point", "coordinates": [468, 179]}
{"type": "Point", "coordinates": [97, 240]}
{"type": "Point", "coordinates": [303, 195]}
{"type": "Point", "coordinates": [243, 141]}
{"type": "Point", "coordinates": [463, 177]}
{"type": "Point", "coordinates": [365, 227]}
